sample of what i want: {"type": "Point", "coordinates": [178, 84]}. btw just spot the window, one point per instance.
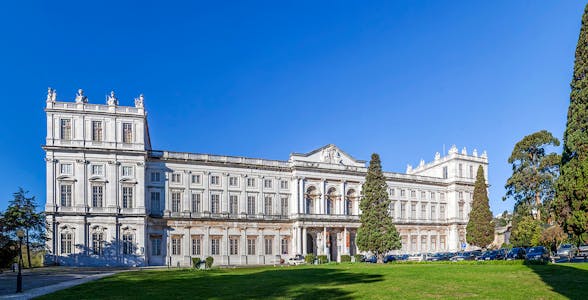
{"type": "Point", "coordinates": [461, 216]}
{"type": "Point", "coordinates": [413, 194]}
{"type": "Point", "coordinates": [97, 170]}
{"type": "Point", "coordinates": [403, 210]}
{"type": "Point", "coordinates": [97, 243]}
{"type": "Point", "coordinates": [155, 177]}
{"type": "Point", "coordinates": [215, 203]}
{"type": "Point", "coordinates": [196, 245]}
{"type": "Point", "coordinates": [268, 245]}
{"type": "Point", "coordinates": [65, 130]}
{"type": "Point", "coordinates": [176, 201]}
{"type": "Point", "coordinates": [176, 178]}
{"type": "Point", "coordinates": [413, 243]}
{"type": "Point", "coordinates": [128, 247]}
{"type": "Point", "coordinates": [196, 202]}
{"type": "Point", "coordinates": [233, 246]}
{"type": "Point", "coordinates": [251, 246]}
{"type": "Point", "coordinates": [250, 182]}
{"type": "Point", "coordinates": [423, 211]}
{"type": "Point", "coordinates": [267, 183]}
{"type": "Point", "coordinates": [413, 209]}
{"type": "Point", "coordinates": [284, 206]}
{"type": "Point", "coordinates": [349, 207]}
{"type": "Point", "coordinates": [233, 181]}
{"type": "Point", "coordinates": [403, 193]}
{"type": "Point", "coordinates": [66, 243]}
{"type": "Point", "coordinates": [392, 209]}
{"type": "Point", "coordinates": [433, 212]}
{"type": "Point", "coordinates": [127, 200]}
{"type": "Point", "coordinates": [176, 245]}
{"type": "Point", "coordinates": [156, 246]}
{"type": "Point", "coordinates": [284, 247]}
{"type": "Point", "coordinates": [460, 196]}
{"type": "Point", "coordinates": [423, 243]}
{"type": "Point", "coordinates": [432, 195]}
{"type": "Point", "coordinates": [433, 243]}
{"type": "Point", "coordinates": [460, 170]}
{"type": "Point", "coordinates": [267, 205]}
{"type": "Point", "coordinates": [215, 246]}
{"type": "Point", "coordinates": [97, 131]}
{"type": "Point", "coordinates": [423, 195]}
{"type": "Point", "coordinates": [66, 195]}
{"type": "Point", "coordinates": [392, 192]}
{"type": "Point", "coordinates": [445, 174]}
{"type": "Point", "coordinates": [155, 202]}
{"type": "Point", "coordinates": [97, 195]}
{"type": "Point", "coordinates": [214, 180]}
{"type": "Point", "coordinates": [66, 169]}
{"type": "Point", "coordinates": [442, 242]}
{"type": "Point", "coordinates": [127, 171]}
{"type": "Point", "coordinates": [251, 205]}
{"type": "Point", "coordinates": [471, 172]}
{"type": "Point", "coordinates": [196, 179]}
{"type": "Point", "coordinates": [233, 204]}
{"type": "Point", "coordinates": [284, 184]}
{"type": "Point", "coordinates": [442, 196]}
{"type": "Point", "coordinates": [442, 211]}
{"type": "Point", "coordinates": [127, 133]}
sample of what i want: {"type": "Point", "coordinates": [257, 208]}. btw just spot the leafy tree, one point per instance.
{"type": "Point", "coordinates": [22, 214]}
{"type": "Point", "coordinates": [572, 186]}
{"type": "Point", "coordinates": [480, 228]}
{"type": "Point", "coordinates": [552, 236]}
{"type": "Point", "coordinates": [377, 232]}
{"type": "Point", "coordinates": [8, 247]}
{"type": "Point", "coordinates": [526, 232]}
{"type": "Point", "coordinates": [534, 172]}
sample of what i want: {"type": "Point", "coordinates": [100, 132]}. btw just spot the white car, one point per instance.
{"type": "Point", "coordinates": [296, 260]}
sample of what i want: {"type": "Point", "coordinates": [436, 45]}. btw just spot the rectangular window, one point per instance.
{"type": "Point", "coordinates": [403, 210]}
{"type": "Point", "coordinates": [233, 204]}
{"type": "Point", "coordinates": [215, 180]}
{"type": "Point", "coordinates": [97, 243]}
{"type": "Point", "coordinates": [66, 195]}
{"type": "Point", "coordinates": [176, 245]}
{"type": "Point", "coordinates": [176, 178]}
{"type": "Point", "coordinates": [392, 209]}
{"type": "Point", "coordinates": [196, 202]}
{"type": "Point", "coordinates": [66, 169]}
{"type": "Point", "coordinates": [250, 182]}
{"type": "Point", "coordinates": [267, 183]}
{"type": "Point", "coordinates": [403, 193]}
{"type": "Point", "coordinates": [392, 192]}
{"type": "Point", "coordinates": [445, 174]}
{"type": "Point", "coordinates": [251, 205]}
{"type": "Point", "coordinates": [155, 177]}
{"type": "Point", "coordinates": [268, 205]}
{"type": "Point", "coordinates": [65, 131]}
{"type": "Point", "coordinates": [460, 194]}
{"type": "Point", "coordinates": [269, 245]}
{"type": "Point", "coordinates": [127, 171]}
{"type": "Point", "coordinates": [127, 193]}
{"type": "Point", "coordinates": [127, 133]}
{"type": "Point", "coordinates": [284, 246]}
{"type": "Point", "coordinates": [196, 179]}
{"type": "Point", "coordinates": [413, 243]}
{"type": "Point", "coordinates": [233, 246]}
{"type": "Point", "coordinates": [413, 209]}
{"type": "Point", "coordinates": [423, 211]}
{"type": "Point", "coordinates": [155, 202]}
{"type": "Point", "coordinates": [97, 131]}
{"type": "Point", "coordinates": [433, 212]}
{"type": "Point", "coordinates": [176, 201]}
{"type": "Point", "coordinates": [284, 184]}
{"type": "Point", "coordinates": [215, 246]}
{"type": "Point", "coordinates": [424, 243]}
{"type": "Point", "coordinates": [97, 195]}
{"type": "Point", "coordinates": [433, 243]}
{"type": "Point", "coordinates": [460, 170]}
{"type": "Point", "coordinates": [423, 195]}
{"type": "Point", "coordinates": [284, 206]}
{"type": "Point", "coordinates": [128, 247]}
{"type": "Point", "coordinates": [471, 172]}
{"type": "Point", "coordinates": [196, 245]}
{"type": "Point", "coordinates": [413, 194]}
{"type": "Point", "coordinates": [250, 246]}
{"type": "Point", "coordinates": [442, 211]}
{"type": "Point", "coordinates": [97, 170]}
{"type": "Point", "coordinates": [432, 196]}
{"type": "Point", "coordinates": [66, 243]}
{"type": "Point", "coordinates": [215, 203]}
{"type": "Point", "coordinates": [442, 242]}
{"type": "Point", "coordinates": [233, 181]}
{"type": "Point", "coordinates": [461, 216]}
{"type": "Point", "coordinates": [156, 246]}
{"type": "Point", "coordinates": [442, 196]}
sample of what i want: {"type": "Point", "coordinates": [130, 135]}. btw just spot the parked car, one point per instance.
{"type": "Point", "coordinates": [567, 250]}
{"type": "Point", "coordinates": [389, 258]}
{"type": "Point", "coordinates": [538, 253]}
{"type": "Point", "coordinates": [468, 255]}
{"type": "Point", "coordinates": [415, 257]}
{"type": "Point", "coordinates": [583, 250]}
{"type": "Point", "coordinates": [516, 253]}
{"type": "Point", "coordinates": [296, 260]}
{"type": "Point", "coordinates": [486, 255]}
{"type": "Point", "coordinates": [438, 257]}
{"type": "Point", "coordinates": [402, 257]}
{"type": "Point", "coordinates": [370, 259]}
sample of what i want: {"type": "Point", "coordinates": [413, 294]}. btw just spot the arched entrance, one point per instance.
{"type": "Point", "coordinates": [310, 244]}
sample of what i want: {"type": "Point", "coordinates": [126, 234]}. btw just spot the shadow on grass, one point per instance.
{"type": "Point", "coordinates": [291, 283]}
{"type": "Point", "coordinates": [570, 280]}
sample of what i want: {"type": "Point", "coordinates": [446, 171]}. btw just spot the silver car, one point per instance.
{"type": "Point", "coordinates": [567, 250]}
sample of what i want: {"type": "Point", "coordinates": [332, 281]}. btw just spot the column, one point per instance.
{"type": "Point", "coordinates": [304, 245]}
{"type": "Point", "coordinates": [225, 201]}
{"type": "Point", "coordinates": [342, 199]}
{"type": "Point", "coordinates": [345, 239]}
{"type": "Point", "coordinates": [278, 245]}
{"type": "Point", "coordinates": [302, 198]}
{"type": "Point", "coordinates": [225, 250]}
{"type": "Point", "coordinates": [325, 248]}
{"type": "Point", "coordinates": [297, 198]}
{"type": "Point", "coordinates": [186, 201]}
{"type": "Point", "coordinates": [244, 246]}
{"type": "Point", "coordinates": [206, 193]}
{"type": "Point", "coordinates": [260, 200]}
{"type": "Point", "coordinates": [166, 195]}
{"type": "Point", "coordinates": [206, 242]}
{"type": "Point", "coordinates": [322, 203]}
{"type": "Point", "coordinates": [187, 245]}
{"type": "Point", "coordinates": [261, 249]}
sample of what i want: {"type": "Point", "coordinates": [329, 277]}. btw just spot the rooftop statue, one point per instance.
{"type": "Point", "coordinates": [111, 99]}
{"type": "Point", "coordinates": [80, 98]}
{"type": "Point", "coordinates": [139, 102]}
{"type": "Point", "coordinates": [51, 95]}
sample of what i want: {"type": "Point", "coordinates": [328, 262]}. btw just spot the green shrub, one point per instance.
{"type": "Point", "coordinates": [358, 257]}
{"type": "Point", "coordinates": [345, 258]}
{"type": "Point", "coordinates": [309, 259]}
{"type": "Point", "coordinates": [209, 261]}
{"type": "Point", "coordinates": [322, 259]}
{"type": "Point", "coordinates": [196, 262]}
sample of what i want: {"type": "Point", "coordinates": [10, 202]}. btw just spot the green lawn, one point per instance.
{"type": "Point", "coordinates": [347, 281]}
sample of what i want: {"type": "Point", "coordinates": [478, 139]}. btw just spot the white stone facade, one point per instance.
{"type": "Point", "coordinates": [112, 200]}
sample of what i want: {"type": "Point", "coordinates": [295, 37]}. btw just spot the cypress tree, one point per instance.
{"type": "Point", "coordinates": [480, 228]}
{"type": "Point", "coordinates": [572, 186]}
{"type": "Point", "coordinates": [377, 232]}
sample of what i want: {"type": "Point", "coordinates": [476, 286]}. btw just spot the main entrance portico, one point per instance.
{"type": "Point", "coordinates": [332, 240]}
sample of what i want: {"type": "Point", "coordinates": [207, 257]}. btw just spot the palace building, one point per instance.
{"type": "Point", "coordinates": [114, 200]}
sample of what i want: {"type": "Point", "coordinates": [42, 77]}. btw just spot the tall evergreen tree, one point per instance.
{"type": "Point", "coordinates": [572, 186]}
{"type": "Point", "coordinates": [377, 232]}
{"type": "Point", "coordinates": [480, 228]}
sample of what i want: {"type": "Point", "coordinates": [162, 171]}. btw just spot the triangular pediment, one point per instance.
{"type": "Point", "coordinates": [328, 154]}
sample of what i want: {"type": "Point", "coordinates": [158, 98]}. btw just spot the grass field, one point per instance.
{"type": "Point", "coordinates": [347, 281]}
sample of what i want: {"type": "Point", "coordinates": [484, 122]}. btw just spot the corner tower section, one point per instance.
{"type": "Point", "coordinates": [95, 156]}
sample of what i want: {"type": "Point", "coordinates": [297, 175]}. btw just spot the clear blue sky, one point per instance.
{"type": "Point", "coordinates": [263, 79]}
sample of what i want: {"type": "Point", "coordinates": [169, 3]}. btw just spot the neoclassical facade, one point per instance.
{"type": "Point", "coordinates": [113, 200]}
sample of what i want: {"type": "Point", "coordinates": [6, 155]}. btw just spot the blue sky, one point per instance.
{"type": "Point", "coordinates": [266, 78]}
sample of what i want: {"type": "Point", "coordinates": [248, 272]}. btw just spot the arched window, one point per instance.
{"type": "Point", "coordinates": [127, 243]}
{"type": "Point", "coordinates": [349, 202]}
{"type": "Point", "coordinates": [66, 242]}
{"type": "Point", "coordinates": [331, 197]}
{"type": "Point", "coordinates": [311, 195]}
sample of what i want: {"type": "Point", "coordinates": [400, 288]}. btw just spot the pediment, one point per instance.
{"type": "Point", "coordinates": [329, 154]}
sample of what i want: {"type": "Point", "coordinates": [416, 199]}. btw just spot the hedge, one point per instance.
{"type": "Point", "coordinates": [309, 259]}
{"type": "Point", "coordinates": [196, 262]}
{"type": "Point", "coordinates": [209, 261]}
{"type": "Point", "coordinates": [322, 259]}
{"type": "Point", "coordinates": [345, 258]}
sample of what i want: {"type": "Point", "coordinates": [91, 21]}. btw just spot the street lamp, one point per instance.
{"type": "Point", "coordinates": [20, 234]}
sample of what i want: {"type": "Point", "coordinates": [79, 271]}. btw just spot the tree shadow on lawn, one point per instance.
{"type": "Point", "coordinates": [566, 280]}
